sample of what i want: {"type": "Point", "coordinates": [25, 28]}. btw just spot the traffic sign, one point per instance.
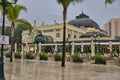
{"type": "Point", "coordinates": [4, 39]}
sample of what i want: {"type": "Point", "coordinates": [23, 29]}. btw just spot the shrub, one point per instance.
{"type": "Point", "coordinates": [43, 56]}
{"type": "Point", "coordinates": [29, 55]}
{"type": "Point", "coordinates": [77, 58]}
{"type": "Point", "coordinates": [17, 55]}
{"type": "Point", "coordinates": [8, 55]}
{"type": "Point", "coordinates": [99, 59]}
{"type": "Point", "coordinates": [57, 57]}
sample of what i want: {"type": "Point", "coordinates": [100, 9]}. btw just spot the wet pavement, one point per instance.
{"type": "Point", "coordinates": [51, 70]}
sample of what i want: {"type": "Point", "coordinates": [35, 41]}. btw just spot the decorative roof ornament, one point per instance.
{"type": "Point", "coordinates": [82, 15]}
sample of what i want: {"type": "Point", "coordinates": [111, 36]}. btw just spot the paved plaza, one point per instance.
{"type": "Point", "coordinates": [51, 70]}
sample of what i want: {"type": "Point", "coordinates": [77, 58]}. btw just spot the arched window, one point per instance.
{"type": "Point", "coordinates": [75, 36]}
{"type": "Point", "coordinates": [69, 36]}
{"type": "Point", "coordinates": [57, 35]}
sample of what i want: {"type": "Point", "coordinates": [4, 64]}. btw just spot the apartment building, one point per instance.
{"type": "Point", "coordinates": [112, 27]}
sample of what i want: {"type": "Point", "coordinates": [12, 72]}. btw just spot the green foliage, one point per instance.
{"type": "Point", "coordinates": [57, 57]}
{"type": "Point", "coordinates": [43, 56]}
{"type": "Point", "coordinates": [44, 49]}
{"type": "Point", "coordinates": [29, 55]}
{"type": "Point", "coordinates": [8, 55]}
{"type": "Point", "coordinates": [66, 3]}
{"type": "Point", "coordinates": [13, 12]}
{"type": "Point", "coordinates": [99, 59]}
{"type": "Point", "coordinates": [77, 53]}
{"type": "Point", "coordinates": [77, 58]}
{"type": "Point", "coordinates": [18, 30]}
{"type": "Point", "coordinates": [17, 55]}
{"type": "Point", "coordinates": [109, 1]}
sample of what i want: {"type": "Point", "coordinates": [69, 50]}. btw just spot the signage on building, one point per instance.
{"type": "Point", "coordinates": [4, 39]}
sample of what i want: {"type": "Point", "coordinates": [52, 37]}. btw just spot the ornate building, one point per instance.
{"type": "Point", "coordinates": [81, 28]}
{"type": "Point", "coordinates": [82, 33]}
{"type": "Point", "coordinates": [91, 27]}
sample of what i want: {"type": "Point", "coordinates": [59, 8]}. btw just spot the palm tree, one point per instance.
{"type": "Point", "coordinates": [13, 12]}
{"type": "Point", "coordinates": [109, 1]}
{"type": "Point", "coordinates": [65, 4]}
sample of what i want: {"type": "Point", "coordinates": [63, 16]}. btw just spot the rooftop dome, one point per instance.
{"type": "Point", "coordinates": [84, 20]}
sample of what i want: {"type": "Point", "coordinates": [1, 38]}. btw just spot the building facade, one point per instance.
{"type": "Point", "coordinates": [81, 28]}
{"type": "Point", "coordinates": [82, 35]}
{"type": "Point", "coordinates": [112, 27]}
{"type": "Point", "coordinates": [55, 31]}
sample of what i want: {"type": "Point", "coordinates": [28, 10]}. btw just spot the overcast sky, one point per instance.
{"type": "Point", "coordinates": [50, 10]}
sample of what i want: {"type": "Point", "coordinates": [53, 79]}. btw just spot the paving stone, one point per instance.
{"type": "Point", "coordinates": [51, 70]}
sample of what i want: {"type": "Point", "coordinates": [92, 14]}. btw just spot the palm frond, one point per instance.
{"type": "Point", "coordinates": [66, 3]}
{"type": "Point", "coordinates": [10, 13]}
{"type": "Point", "coordinates": [13, 11]}
{"type": "Point", "coordinates": [25, 23]}
{"type": "Point", "coordinates": [109, 1]}
{"type": "Point", "coordinates": [18, 9]}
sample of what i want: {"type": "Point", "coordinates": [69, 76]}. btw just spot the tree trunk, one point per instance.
{"type": "Point", "coordinates": [12, 41]}
{"type": "Point", "coordinates": [64, 36]}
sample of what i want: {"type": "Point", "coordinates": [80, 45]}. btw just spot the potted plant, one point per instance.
{"type": "Point", "coordinates": [57, 56]}
{"type": "Point", "coordinates": [77, 58]}
{"type": "Point", "coordinates": [8, 55]}
{"type": "Point", "coordinates": [100, 59]}
{"type": "Point", "coordinates": [43, 56]}
{"type": "Point", "coordinates": [17, 55]}
{"type": "Point", "coordinates": [29, 55]}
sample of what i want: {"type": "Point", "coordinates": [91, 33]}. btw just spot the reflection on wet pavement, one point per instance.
{"type": "Point", "coordinates": [51, 70]}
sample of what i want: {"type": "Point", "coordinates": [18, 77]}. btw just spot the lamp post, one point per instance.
{"type": "Point", "coordinates": [98, 45]}
{"type": "Point", "coordinates": [96, 40]}
{"type": "Point", "coordinates": [4, 4]}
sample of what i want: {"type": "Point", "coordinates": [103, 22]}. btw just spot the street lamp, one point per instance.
{"type": "Point", "coordinates": [98, 44]}
{"type": "Point", "coordinates": [95, 42]}
{"type": "Point", "coordinates": [3, 3]}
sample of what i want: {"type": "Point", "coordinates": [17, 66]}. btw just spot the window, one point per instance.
{"type": "Point", "coordinates": [69, 30]}
{"type": "Point", "coordinates": [75, 32]}
{"type": "Point", "coordinates": [110, 31]}
{"type": "Point", "coordinates": [75, 36]}
{"type": "Point", "coordinates": [48, 30]}
{"type": "Point", "coordinates": [82, 27]}
{"type": "Point", "coordinates": [57, 35]}
{"type": "Point", "coordinates": [57, 29]}
{"type": "Point", "coordinates": [69, 36]}
{"type": "Point", "coordinates": [116, 28]}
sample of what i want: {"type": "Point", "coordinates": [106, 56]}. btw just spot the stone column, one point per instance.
{"type": "Point", "coordinates": [55, 47]}
{"type": "Point", "coordinates": [73, 46]}
{"type": "Point", "coordinates": [82, 47]}
{"type": "Point", "coordinates": [35, 47]}
{"type": "Point", "coordinates": [110, 45]}
{"type": "Point", "coordinates": [15, 47]}
{"type": "Point", "coordinates": [40, 47]}
{"type": "Point", "coordinates": [22, 52]}
{"type": "Point", "coordinates": [27, 47]}
{"type": "Point", "coordinates": [92, 49]}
